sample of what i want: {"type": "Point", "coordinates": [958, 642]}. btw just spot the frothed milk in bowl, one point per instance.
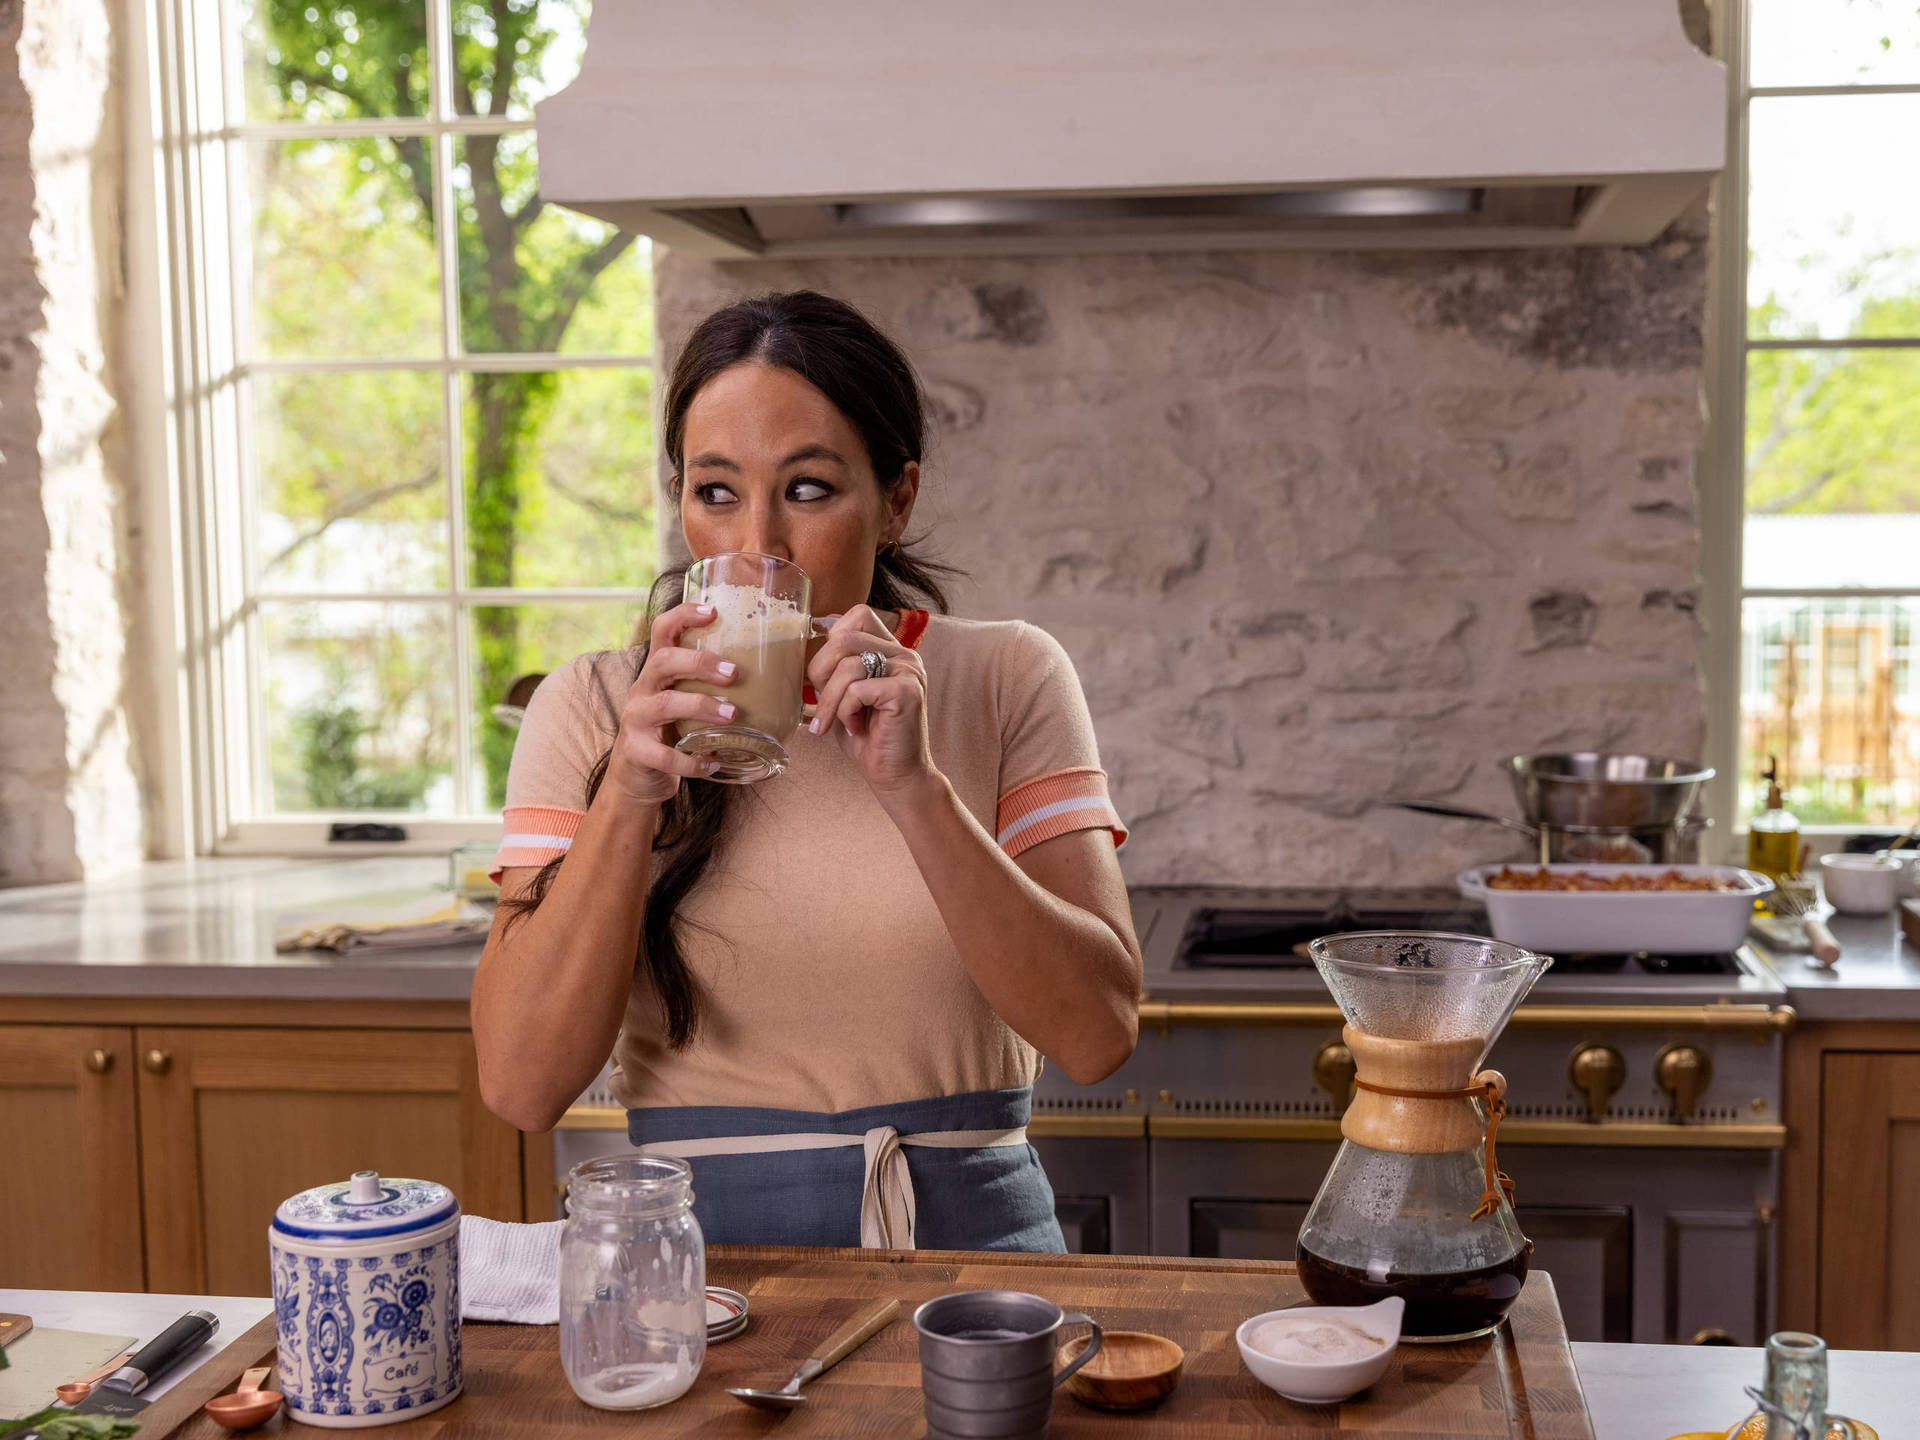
{"type": "Point", "coordinates": [762, 624]}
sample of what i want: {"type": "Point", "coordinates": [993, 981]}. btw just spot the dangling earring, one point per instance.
{"type": "Point", "coordinates": [888, 550]}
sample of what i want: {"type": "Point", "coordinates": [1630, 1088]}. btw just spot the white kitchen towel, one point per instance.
{"type": "Point", "coordinates": [510, 1272]}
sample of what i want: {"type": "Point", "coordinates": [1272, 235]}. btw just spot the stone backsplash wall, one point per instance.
{"type": "Point", "coordinates": [1318, 529]}
{"type": "Point", "coordinates": [70, 801]}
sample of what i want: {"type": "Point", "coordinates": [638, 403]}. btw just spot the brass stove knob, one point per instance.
{"type": "Point", "coordinates": [1597, 1071]}
{"type": "Point", "coordinates": [1333, 1072]}
{"type": "Point", "coordinates": [1683, 1071]}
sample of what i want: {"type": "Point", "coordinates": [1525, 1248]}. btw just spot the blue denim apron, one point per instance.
{"type": "Point", "coordinates": [990, 1197]}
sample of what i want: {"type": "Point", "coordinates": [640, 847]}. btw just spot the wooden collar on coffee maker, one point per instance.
{"type": "Point", "coordinates": [1415, 1097]}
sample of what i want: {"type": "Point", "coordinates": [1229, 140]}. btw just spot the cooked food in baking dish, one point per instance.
{"type": "Point", "coordinates": [1507, 878]}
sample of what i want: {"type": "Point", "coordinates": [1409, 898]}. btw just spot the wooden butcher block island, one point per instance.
{"type": "Point", "coordinates": [1518, 1384]}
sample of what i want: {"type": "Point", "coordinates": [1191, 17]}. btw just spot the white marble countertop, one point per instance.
{"type": "Point", "coordinates": [1634, 1392]}
{"type": "Point", "coordinates": [105, 1312]}
{"type": "Point", "coordinates": [1649, 1392]}
{"type": "Point", "coordinates": [204, 928]}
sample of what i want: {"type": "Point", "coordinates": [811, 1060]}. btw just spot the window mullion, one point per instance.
{"type": "Point", "coordinates": [513, 361]}
{"type": "Point", "coordinates": [1723, 483]}
{"type": "Point", "coordinates": [1819, 342]}
{"type": "Point", "coordinates": [1776, 92]}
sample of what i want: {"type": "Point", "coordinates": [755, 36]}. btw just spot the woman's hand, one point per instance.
{"type": "Point", "coordinates": [645, 766]}
{"type": "Point", "coordinates": [882, 723]}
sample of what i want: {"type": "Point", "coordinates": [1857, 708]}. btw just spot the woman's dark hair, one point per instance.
{"type": "Point", "coordinates": [843, 355]}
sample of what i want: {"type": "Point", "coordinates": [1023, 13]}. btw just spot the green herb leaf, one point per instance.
{"type": "Point", "coordinates": [54, 1423]}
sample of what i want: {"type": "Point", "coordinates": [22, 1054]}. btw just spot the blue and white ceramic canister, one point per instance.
{"type": "Point", "coordinates": [366, 1288]}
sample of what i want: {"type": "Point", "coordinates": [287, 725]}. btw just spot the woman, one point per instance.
{"type": "Point", "coordinates": [826, 991]}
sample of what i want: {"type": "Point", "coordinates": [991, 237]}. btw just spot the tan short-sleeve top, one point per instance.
{"type": "Point", "coordinates": [828, 980]}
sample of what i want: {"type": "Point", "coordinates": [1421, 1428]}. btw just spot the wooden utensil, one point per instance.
{"type": "Point", "coordinates": [867, 1322]}
{"type": "Point", "coordinates": [1132, 1371]}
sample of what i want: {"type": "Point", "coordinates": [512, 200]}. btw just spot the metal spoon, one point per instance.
{"type": "Point", "coordinates": [843, 1342]}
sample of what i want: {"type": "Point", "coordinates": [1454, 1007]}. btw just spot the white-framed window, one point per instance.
{"type": "Point", "coordinates": [1817, 399]}
{"type": "Point", "coordinates": [409, 405]}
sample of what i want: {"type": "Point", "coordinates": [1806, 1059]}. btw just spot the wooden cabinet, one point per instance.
{"type": "Point", "coordinates": [1851, 1271]}
{"type": "Point", "coordinates": [190, 1134]}
{"type": "Point", "coordinates": [234, 1121]}
{"type": "Point", "coordinates": [69, 1162]}
{"type": "Point", "coordinates": [1868, 1200]}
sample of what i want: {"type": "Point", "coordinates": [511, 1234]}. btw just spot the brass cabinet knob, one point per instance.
{"type": "Point", "coordinates": [1333, 1072]}
{"type": "Point", "coordinates": [1597, 1071]}
{"type": "Point", "coordinates": [1712, 1335]}
{"type": "Point", "coordinates": [99, 1061]}
{"type": "Point", "coordinates": [157, 1062]}
{"type": "Point", "coordinates": [1683, 1071]}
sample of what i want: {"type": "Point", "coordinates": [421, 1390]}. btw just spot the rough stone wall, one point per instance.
{"type": "Point", "coordinates": [70, 802]}
{"type": "Point", "coordinates": [1318, 529]}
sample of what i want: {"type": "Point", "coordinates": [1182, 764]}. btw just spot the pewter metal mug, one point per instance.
{"type": "Point", "coordinates": [986, 1363]}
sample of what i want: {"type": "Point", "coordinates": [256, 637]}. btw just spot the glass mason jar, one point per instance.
{"type": "Point", "coordinates": [1796, 1387]}
{"type": "Point", "coordinates": [633, 1282]}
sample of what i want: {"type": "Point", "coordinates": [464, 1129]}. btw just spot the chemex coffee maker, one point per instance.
{"type": "Point", "coordinates": [1414, 1204]}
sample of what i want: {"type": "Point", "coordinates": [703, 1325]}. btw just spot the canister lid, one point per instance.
{"type": "Point", "coordinates": [364, 1208]}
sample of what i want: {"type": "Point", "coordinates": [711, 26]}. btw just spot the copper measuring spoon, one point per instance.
{"type": "Point", "coordinates": [248, 1405]}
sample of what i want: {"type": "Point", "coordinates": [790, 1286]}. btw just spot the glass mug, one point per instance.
{"type": "Point", "coordinates": [763, 623]}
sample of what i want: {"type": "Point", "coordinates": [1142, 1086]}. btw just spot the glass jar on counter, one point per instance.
{"type": "Point", "coordinates": [633, 1282]}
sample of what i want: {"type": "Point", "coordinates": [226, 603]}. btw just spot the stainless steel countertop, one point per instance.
{"type": "Point", "coordinates": [1878, 977]}
{"type": "Point", "coordinates": [205, 928]}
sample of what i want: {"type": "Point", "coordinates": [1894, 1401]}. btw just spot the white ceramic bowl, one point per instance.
{"type": "Point", "coordinates": [1860, 884]}
{"type": "Point", "coordinates": [1325, 1384]}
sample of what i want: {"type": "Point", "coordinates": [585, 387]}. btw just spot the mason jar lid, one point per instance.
{"type": "Point", "coordinates": [365, 1208]}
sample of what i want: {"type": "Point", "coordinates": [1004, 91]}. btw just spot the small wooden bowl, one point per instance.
{"type": "Point", "coordinates": [1132, 1371]}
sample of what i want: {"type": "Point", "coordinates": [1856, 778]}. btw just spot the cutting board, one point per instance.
{"type": "Point", "coordinates": [1519, 1384]}
{"type": "Point", "coordinates": [43, 1358]}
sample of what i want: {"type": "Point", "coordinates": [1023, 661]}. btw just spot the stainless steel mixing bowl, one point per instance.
{"type": "Point", "coordinates": [1586, 789]}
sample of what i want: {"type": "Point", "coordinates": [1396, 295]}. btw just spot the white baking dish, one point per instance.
{"type": "Point", "coordinates": [1608, 922]}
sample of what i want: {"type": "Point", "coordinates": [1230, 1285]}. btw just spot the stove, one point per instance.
{"type": "Point", "coordinates": [1268, 938]}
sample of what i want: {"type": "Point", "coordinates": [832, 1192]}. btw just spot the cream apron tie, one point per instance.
{"type": "Point", "coordinates": [886, 1191]}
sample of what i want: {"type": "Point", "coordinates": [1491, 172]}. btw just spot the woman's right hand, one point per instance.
{"type": "Point", "coordinates": [645, 766]}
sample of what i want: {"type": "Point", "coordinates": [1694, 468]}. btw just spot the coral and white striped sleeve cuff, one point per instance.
{"type": "Point", "coordinates": [1054, 805]}
{"type": "Point", "coordinates": [535, 835]}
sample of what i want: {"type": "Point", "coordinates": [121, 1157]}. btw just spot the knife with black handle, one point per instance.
{"type": "Point", "coordinates": [120, 1392]}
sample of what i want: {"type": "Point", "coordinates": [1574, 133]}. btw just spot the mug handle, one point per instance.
{"type": "Point", "coordinates": [1093, 1346]}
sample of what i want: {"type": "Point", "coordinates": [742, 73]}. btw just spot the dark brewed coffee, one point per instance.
{"type": "Point", "coordinates": [1463, 1302]}
{"type": "Point", "coordinates": [986, 1334]}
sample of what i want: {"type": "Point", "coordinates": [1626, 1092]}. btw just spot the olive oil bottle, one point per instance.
{"type": "Point", "coordinates": [1773, 836]}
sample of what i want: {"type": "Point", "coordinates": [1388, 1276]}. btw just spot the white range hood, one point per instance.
{"type": "Point", "coordinates": [738, 128]}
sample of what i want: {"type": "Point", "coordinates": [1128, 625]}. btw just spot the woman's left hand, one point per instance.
{"type": "Point", "coordinates": [882, 722]}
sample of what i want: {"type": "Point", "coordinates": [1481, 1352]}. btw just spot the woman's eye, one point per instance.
{"type": "Point", "coordinates": [808, 490]}
{"type": "Point", "coordinates": [713, 493]}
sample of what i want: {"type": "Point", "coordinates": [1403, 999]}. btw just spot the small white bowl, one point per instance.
{"type": "Point", "coordinates": [1860, 884]}
{"type": "Point", "coordinates": [1325, 1384]}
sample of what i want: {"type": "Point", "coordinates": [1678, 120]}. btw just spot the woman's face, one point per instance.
{"type": "Point", "coordinates": [772, 465]}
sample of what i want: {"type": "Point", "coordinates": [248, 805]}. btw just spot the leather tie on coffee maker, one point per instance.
{"type": "Point", "coordinates": [1492, 1095]}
